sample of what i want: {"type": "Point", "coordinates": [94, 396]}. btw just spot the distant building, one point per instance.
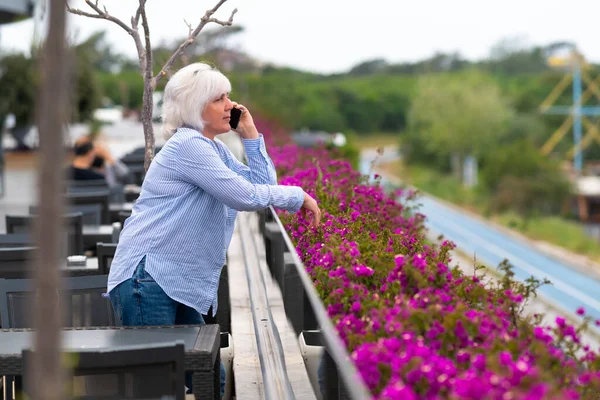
{"type": "Point", "coordinates": [15, 10]}
{"type": "Point", "coordinates": [588, 199]}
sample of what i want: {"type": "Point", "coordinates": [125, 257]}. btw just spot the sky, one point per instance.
{"type": "Point", "coordinates": [329, 36]}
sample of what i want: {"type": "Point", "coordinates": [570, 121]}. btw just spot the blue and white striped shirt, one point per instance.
{"type": "Point", "coordinates": [184, 218]}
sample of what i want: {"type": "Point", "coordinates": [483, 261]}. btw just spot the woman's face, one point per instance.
{"type": "Point", "coordinates": [216, 115]}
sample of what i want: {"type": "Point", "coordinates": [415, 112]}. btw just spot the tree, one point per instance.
{"type": "Point", "coordinates": [369, 67]}
{"type": "Point", "coordinates": [144, 50]}
{"type": "Point", "coordinates": [541, 194]}
{"type": "Point", "coordinates": [18, 86]}
{"type": "Point", "coordinates": [519, 159]}
{"type": "Point", "coordinates": [528, 126]}
{"type": "Point", "coordinates": [99, 53]}
{"type": "Point", "coordinates": [47, 374]}
{"type": "Point", "coordinates": [441, 62]}
{"type": "Point", "coordinates": [87, 95]}
{"type": "Point", "coordinates": [458, 117]}
{"type": "Point", "coordinates": [513, 56]}
{"type": "Point", "coordinates": [19, 82]}
{"type": "Point", "coordinates": [523, 179]}
{"type": "Point", "coordinates": [206, 46]}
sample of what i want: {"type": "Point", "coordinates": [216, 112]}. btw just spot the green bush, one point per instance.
{"type": "Point", "coordinates": [125, 88]}
{"type": "Point", "coordinates": [523, 179]}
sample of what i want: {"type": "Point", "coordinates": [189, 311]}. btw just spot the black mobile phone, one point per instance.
{"type": "Point", "coordinates": [236, 113]}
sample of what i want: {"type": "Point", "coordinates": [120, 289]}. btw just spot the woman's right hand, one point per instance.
{"type": "Point", "coordinates": [310, 204]}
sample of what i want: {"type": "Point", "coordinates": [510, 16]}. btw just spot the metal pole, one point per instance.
{"type": "Point", "coordinates": [52, 113]}
{"type": "Point", "coordinates": [578, 159]}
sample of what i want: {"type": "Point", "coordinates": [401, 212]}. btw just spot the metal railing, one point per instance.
{"type": "Point", "coordinates": [305, 309]}
{"type": "Point", "coordinates": [276, 383]}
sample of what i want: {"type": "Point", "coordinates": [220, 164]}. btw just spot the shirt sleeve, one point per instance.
{"type": "Point", "coordinates": [260, 168]}
{"type": "Point", "coordinates": [198, 163]}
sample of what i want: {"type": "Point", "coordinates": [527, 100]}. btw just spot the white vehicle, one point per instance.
{"type": "Point", "coordinates": [109, 114]}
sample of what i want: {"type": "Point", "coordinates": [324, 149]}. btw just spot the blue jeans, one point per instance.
{"type": "Point", "coordinates": [140, 301]}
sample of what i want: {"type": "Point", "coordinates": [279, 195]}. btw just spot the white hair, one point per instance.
{"type": "Point", "coordinates": [187, 93]}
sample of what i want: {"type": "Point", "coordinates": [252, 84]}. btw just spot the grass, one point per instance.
{"type": "Point", "coordinates": [552, 229]}
{"type": "Point", "coordinates": [377, 139]}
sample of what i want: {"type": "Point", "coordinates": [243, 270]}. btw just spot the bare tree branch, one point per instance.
{"type": "Point", "coordinates": [144, 50]}
{"type": "Point", "coordinates": [135, 20]}
{"type": "Point", "coordinates": [99, 14]}
{"type": "Point", "coordinates": [223, 23]}
{"type": "Point", "coordinates": [148, 48]}
{"type": "Point", "coordinates": [135, 34]}
{"type": "Point", "coordinates": [83, 13]}
{"type": "Point", "coordinates": [148, 92]}
{"type": "Point", "coordinates": [190, 29]}
{"type": "Point", "coordinates": [207, 18]}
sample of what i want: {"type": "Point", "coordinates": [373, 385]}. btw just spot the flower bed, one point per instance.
{"type": "Point", "coordinates": [415, 328]}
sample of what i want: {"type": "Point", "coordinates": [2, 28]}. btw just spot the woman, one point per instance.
{"type": "Point", "coordinates": [171, 250]}
{"type": "Point", "coordinates": [114, 171]}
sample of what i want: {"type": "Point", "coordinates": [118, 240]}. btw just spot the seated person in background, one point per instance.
{"type": "Point", "coordinates": [114, 171]}
{"type": "Point", "coordinates": [80, 168]}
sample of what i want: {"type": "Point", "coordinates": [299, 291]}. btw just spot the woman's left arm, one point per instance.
{"type": "Point", "coordinates": [260, 168]}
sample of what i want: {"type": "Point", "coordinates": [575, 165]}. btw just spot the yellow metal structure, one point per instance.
{"type": "Point", "coordinates": [578, 75]}
{"type": "Point", "coordinates": [556, 92]}
{"type": "Point", "coordinates": [593, 133]}
{"type": "Point", "coordinates": [557, 136]}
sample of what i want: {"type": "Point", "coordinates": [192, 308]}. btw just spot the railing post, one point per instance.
{"type": "Point", "coordinates": [264, 216]}
{"type": "Point", "coordinates": [275, 247]}
{"type": "Point", "coordinates": [343, 393]}
{"type": "Point", "coordinates": [330, 377]}
{"type": "Point", "coordinates": [309, 317]}
{"type": "Point", "coordinates": [261, 220]}
{"type": "Point", "coordinates": [293, 293]}
{"type": "Point", "coordinates": [224, 311]}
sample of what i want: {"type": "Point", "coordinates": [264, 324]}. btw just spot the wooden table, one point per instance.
{"type": "Point", "coordinates": [202, 344]}
{"type": "Point", "coordinates": [92, 234]}
{"type": "Point", "coordinates": [90, 268]}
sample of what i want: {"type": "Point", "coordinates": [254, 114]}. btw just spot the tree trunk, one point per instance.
{"type": "Point", "coordinates": [457, 166]}
{"type": "Point", "coordinates": [149, 85]}
{"type": "Point", "coordinates": [47, 374]}
{"type": "Point", "coordinates": [147, 124]}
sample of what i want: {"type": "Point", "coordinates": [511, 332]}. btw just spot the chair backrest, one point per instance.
{"type": "Point", "coordinates": [101, 183]}
{"type": "Point", "coordinates": [117, 194]}
{"type": "Point", "coordinates": [105, 253]}
{"type": "Point", "coordinates": [16, 240]}
{"type": "Point", "coordinates": [73, 227]}
{"type": "Point", "coordinates": [152, 371]}
{"type": "Point", "coordinates": [133, 159]}
{"type": "Point", "coordinates": [81, 299]}
{"type": "Point", "coordinates": [138, 173]}
{"type": "Point", "coordinates": [92, 213]}
{"type": "Point", "coordinates": [18, 223]}
{"type": "Point", "coordinates": [95, 197]}
{"type": "Point", "coordinates": [15, 262]}
{"type": "Point", "coordinates": [142, 150]}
